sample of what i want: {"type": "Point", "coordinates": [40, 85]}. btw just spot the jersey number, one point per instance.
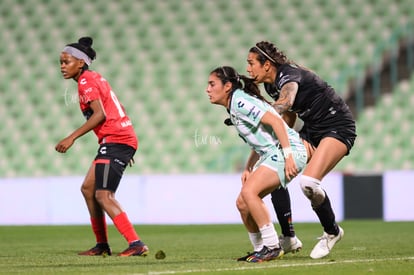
{"type": "Point", "coordinates": [117, 104]}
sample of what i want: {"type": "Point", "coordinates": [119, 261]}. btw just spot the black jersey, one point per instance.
{"type": "Point", "coordinates": [316, 103]}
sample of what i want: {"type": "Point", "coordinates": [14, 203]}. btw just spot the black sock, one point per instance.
{"type": "Point", "coordinates": [327, 217]}
{"type": "Point", "coordinates": [281, 204]}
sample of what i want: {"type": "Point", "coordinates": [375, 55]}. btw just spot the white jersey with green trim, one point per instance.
{"type": "Point", "coordinates": [246, 112]}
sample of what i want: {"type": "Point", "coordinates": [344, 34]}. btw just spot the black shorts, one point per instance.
{"type": "Point", "coordinates": [110, 163]}
{"type": "Point", "coordinates": [344, 131]}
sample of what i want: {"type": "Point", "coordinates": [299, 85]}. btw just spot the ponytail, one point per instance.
{"type": "Point", "coordinates": [247, 84]}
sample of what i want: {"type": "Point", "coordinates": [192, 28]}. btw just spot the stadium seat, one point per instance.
{"type": "Point", "coordinates": [385, 130]}
{"type": "Point", "coordinates": [157, 57]}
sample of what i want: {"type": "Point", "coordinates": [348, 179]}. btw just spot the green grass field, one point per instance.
{"type": "Point", "coordinates": [369, 247]}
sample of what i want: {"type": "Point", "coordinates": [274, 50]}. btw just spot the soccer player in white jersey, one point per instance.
{"type": "Point", "coordinates": [278, 155]}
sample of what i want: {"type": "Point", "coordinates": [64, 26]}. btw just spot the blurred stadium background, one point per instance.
{"type": "Point", "coordinates": [157, 56]}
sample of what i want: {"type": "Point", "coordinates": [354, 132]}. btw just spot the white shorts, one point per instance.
{"type": "Point", "coordinates": [276, 162]}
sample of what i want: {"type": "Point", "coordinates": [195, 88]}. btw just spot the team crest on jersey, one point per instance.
{"type": "Point", "coordinates": [83, 81]}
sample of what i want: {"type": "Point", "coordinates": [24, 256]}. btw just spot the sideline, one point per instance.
{"type": "Point", "coordinates": [259, 266]}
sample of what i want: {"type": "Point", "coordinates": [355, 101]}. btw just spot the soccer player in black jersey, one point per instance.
{"type": "Point", "coordinates": [328, 126]}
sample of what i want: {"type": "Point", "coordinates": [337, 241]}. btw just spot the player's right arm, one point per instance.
{"type": "Point", "coordinates": [251, 161]}
{"type": "Point", "coordinates": [97, 117]}
{"type": "Point", "coordinates": [286, 98]}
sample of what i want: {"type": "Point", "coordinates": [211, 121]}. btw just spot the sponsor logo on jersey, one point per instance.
{"type": "Point", "coordinates": [119, 162]}
{"type": "Point", "coordinates": [253, 114]}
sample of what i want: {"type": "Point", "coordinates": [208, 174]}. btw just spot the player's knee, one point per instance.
{"type": "Point", "coordinates": [102, 196]}
{"type": "Point", "coordinates": [312, 189]}
{"type": "Point", "coordinates": [241, 205]}
{"type": "Point", "coordinates": [87, 192]}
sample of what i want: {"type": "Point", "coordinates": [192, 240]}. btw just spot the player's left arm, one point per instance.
{"type": "Point", "coordinates": [95, 119]}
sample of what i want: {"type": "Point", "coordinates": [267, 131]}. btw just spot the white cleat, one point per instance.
{"type": "Point", "coordinates": [290, 244]}
{"type": "Point", "coordinates": [325, 244]}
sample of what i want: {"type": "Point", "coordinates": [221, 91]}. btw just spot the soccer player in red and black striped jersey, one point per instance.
{"type": "Point", "coordinates": [117, 145]}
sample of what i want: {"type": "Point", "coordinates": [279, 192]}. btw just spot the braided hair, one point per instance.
{"type": "Point", "coordinates": [229, 74]}
{"type": "Point", "coordinates": [268, 51]}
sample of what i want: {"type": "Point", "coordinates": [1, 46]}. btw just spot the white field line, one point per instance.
{"type": "Point", "coordinates": [267, 266]}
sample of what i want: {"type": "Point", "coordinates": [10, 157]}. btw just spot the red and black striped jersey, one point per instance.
{"type": "Point", "coordinates": [117, 127]}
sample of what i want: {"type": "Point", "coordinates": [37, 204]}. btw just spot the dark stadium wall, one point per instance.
{"type": "Point", "coordinates": [363, 197]}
